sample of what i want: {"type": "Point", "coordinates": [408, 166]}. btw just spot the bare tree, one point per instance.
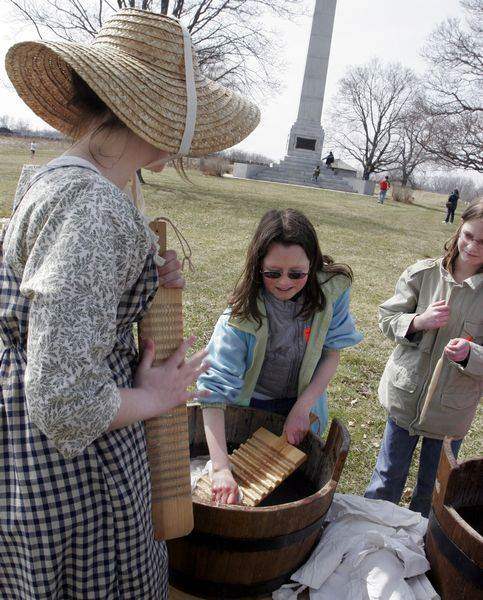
{"type": "Point", "coordinates": [367, 113]}
{"type": "Point", "coordinates": [233, 45]}
{"type": "Point", "coordinates": [454, 82]}
{"type": "Point", "coordinates": [412, 155]}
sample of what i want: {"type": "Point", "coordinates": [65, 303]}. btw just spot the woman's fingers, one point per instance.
{"type": "Point", "coordinates": [177, 283]}
{"type": "Point", "coordinates": [148, 352]}
{"type": "Point", "coordinates": [170, 275]}
{"type": "Point", "coordinates": [194, 367]}
{"type": "Point", "coordinates": [178, 357]}
{"type": "Point", "coordinates": [196, 360]}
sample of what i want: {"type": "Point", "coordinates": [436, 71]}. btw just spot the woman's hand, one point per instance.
{"type": "Point", "coordinates": [167, 385]}
{"type": "Point", "coordinates": [170, 275]}
{"type": "Point", "coordinates": [457, 349]}
{"type": "Point", "coordinates": [434, 317]}
{"type": "Point", "coordinates": [297, 423]}
{"type": "Point", "coordinates": [224, 489]}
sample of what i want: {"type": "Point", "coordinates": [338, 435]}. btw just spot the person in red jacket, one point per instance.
{"type": "Point", "coordinates": [384, 185]}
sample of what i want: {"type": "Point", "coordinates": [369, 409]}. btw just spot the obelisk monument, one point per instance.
{"type": "Point", "coordinates": [307, 136]}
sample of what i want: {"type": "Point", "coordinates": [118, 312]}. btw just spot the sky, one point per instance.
{"type": "Point", "coordinates": [392, 30]}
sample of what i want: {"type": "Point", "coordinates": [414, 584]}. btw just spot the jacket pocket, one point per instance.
{"type": "Point", "coordinates": [460, 391]}
{"type": "Point", "coordinates": [401, 377]}
{"type": "Point", "coordinates": [475, 329]}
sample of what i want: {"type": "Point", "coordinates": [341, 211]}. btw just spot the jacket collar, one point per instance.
{"type": "Point", "coordinates": [473, 282]}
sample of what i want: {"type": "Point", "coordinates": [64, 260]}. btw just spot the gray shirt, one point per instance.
{"type": "Point", "coordinates": [285, 349]}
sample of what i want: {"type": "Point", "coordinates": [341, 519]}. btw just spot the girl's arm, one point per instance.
{"type": "Point", "coordinates": [397, 313]}
{"type": "Point", "coordinates": [224, 487]}
{"type": "Point", "coordinates": [297, 423]}
{"type": "Point", "coordinates": [227, 356]}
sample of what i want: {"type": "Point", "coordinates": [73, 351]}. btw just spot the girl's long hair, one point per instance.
{"type": "Point", "coordinates": [473, 212]}
{"type": "Point", "coordinates": [285, 227]}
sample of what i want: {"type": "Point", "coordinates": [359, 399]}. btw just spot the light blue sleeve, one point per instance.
{"type": "Point", "coordinates": [227, 355]}
{"type": "Point", "coordinates": [342, 331]}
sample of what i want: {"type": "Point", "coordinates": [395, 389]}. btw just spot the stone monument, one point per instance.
{"type": "Point", "coordinates": [306, 137]}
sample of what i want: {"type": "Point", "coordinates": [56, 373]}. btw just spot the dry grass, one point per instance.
{"type": "Point", "coordinates": [218, 216]}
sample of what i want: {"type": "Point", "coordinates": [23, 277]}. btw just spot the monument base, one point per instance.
{"type": "Point", "coordinates": [296, 171]}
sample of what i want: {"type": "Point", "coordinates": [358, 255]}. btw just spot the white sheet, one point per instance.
{"type": "Point", "coordinates": [371, 550]}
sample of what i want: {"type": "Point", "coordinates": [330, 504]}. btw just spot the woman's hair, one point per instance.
{"type": "Point", "coordinates": [285, 227]}
{"type": "Point", "coordinates": [89, 107]}
{"type": "Point", "coordinates": [471, 213]}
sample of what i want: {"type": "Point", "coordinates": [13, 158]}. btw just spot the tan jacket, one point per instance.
{"type": "Point", "coordinates": [408, 371]}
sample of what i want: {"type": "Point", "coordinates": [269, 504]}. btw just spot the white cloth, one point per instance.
{"type": "Point", "coordinates": [371, 550]}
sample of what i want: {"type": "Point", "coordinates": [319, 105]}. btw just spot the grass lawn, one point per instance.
{"type": "Point", "coordinates": [218, 217]}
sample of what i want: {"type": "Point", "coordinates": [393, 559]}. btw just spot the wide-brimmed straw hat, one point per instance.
{"type": "Point", "coordinates": [143, 67]}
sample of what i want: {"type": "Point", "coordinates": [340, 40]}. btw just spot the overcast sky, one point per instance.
{"type": "Point", "coordinates": [392, 30]}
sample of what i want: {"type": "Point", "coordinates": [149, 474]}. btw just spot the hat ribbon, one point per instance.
{"type": "Point", "coordinates": [191, 99]}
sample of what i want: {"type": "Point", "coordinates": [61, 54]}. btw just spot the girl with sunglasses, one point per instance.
{"type": "Point", "coordinates": [277, 345]}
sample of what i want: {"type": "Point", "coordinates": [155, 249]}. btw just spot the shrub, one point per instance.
{"type": "Point", "coordinates": [402, 194]}
{"type": "Point", "coordinates": [215, 166]}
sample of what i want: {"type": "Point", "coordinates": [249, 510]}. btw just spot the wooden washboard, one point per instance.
{"type": "Point", "coordinates": [259, 465]}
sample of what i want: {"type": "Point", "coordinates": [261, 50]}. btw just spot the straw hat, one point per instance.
{"type": "Point", "coordinates": [143, 67]}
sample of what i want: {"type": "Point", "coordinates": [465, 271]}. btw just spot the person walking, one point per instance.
{"type": "Point", "coordinates": [434, 314]}
{"type": "Point", "coordinates": [33, 148]}
{"type": "Point", "coordinates": [384, 185]}
{"type": "Point", "coordinates": [78, 267]}
{"type": "Point", "coordinates": [329, 160]}
{"type": "Point", "coordinates": [451, 205]}
{"type": "Point", "coordinates": [316, 173]}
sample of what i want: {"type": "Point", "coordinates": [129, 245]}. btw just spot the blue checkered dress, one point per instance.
{"type": "Point", "coordinates": [77, 528]}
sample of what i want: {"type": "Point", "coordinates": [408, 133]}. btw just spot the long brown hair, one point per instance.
{"type": "Point", "coordinates": [285, 227]}
{"type": "Point", "coordinates": [471, 213]}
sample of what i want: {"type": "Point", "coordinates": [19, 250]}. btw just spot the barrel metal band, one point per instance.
{"type": "Point", "coordinates": [218, 542]}
{"type": "Point", "coordinates": [220, 591]}
{"type": "Point", "coordinates": [461, 562]}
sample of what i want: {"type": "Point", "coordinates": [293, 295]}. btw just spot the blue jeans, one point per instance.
{"type": "Point", "coordinates": [392, 467]}
{"type": "Point", "coordinates": [382, 196]}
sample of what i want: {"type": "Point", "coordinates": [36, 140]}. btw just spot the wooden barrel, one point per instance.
{"type": "Point", "coordinates": [246, 552]}
{"type": "Point", "coordinates": [454, 544]}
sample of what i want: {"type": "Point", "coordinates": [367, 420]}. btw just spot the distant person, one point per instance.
{"type": "Point", "coordinates": [329, 160]}
{"type": "Point", "coordinates": [316, 173]}
{"type": "Point", "coordinates": [33, 148]}
{"type": "Point", "coordinates": [451, 205]}
{"type": "Point", "coordinates": [384, 185]}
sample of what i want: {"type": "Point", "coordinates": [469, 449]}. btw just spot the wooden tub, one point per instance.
{"type": "Point", "coordinates": [454, 543]}
{"type": "Point", "coordinates": [244, 552]}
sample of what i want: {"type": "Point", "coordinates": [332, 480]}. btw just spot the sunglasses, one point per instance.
{"type": "Point", "coordinates": [278, 274]}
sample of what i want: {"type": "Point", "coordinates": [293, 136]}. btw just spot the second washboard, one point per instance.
{"type": "Point", "coordinates": [259, 466]}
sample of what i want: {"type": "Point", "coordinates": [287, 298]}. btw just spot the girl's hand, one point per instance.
{"type": "Point", "coordinates": [224, 488]}
{"type": "Point", "coordinates": [434, 317]}
{"type": "Point", "coordinates": [166, 385]}
{"type": "Point", "coordinates": [170, 275]}
{"type": "Point", "coordinates": [457, 349]}
{"type": "Point", "coordinates": [297, 423]}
